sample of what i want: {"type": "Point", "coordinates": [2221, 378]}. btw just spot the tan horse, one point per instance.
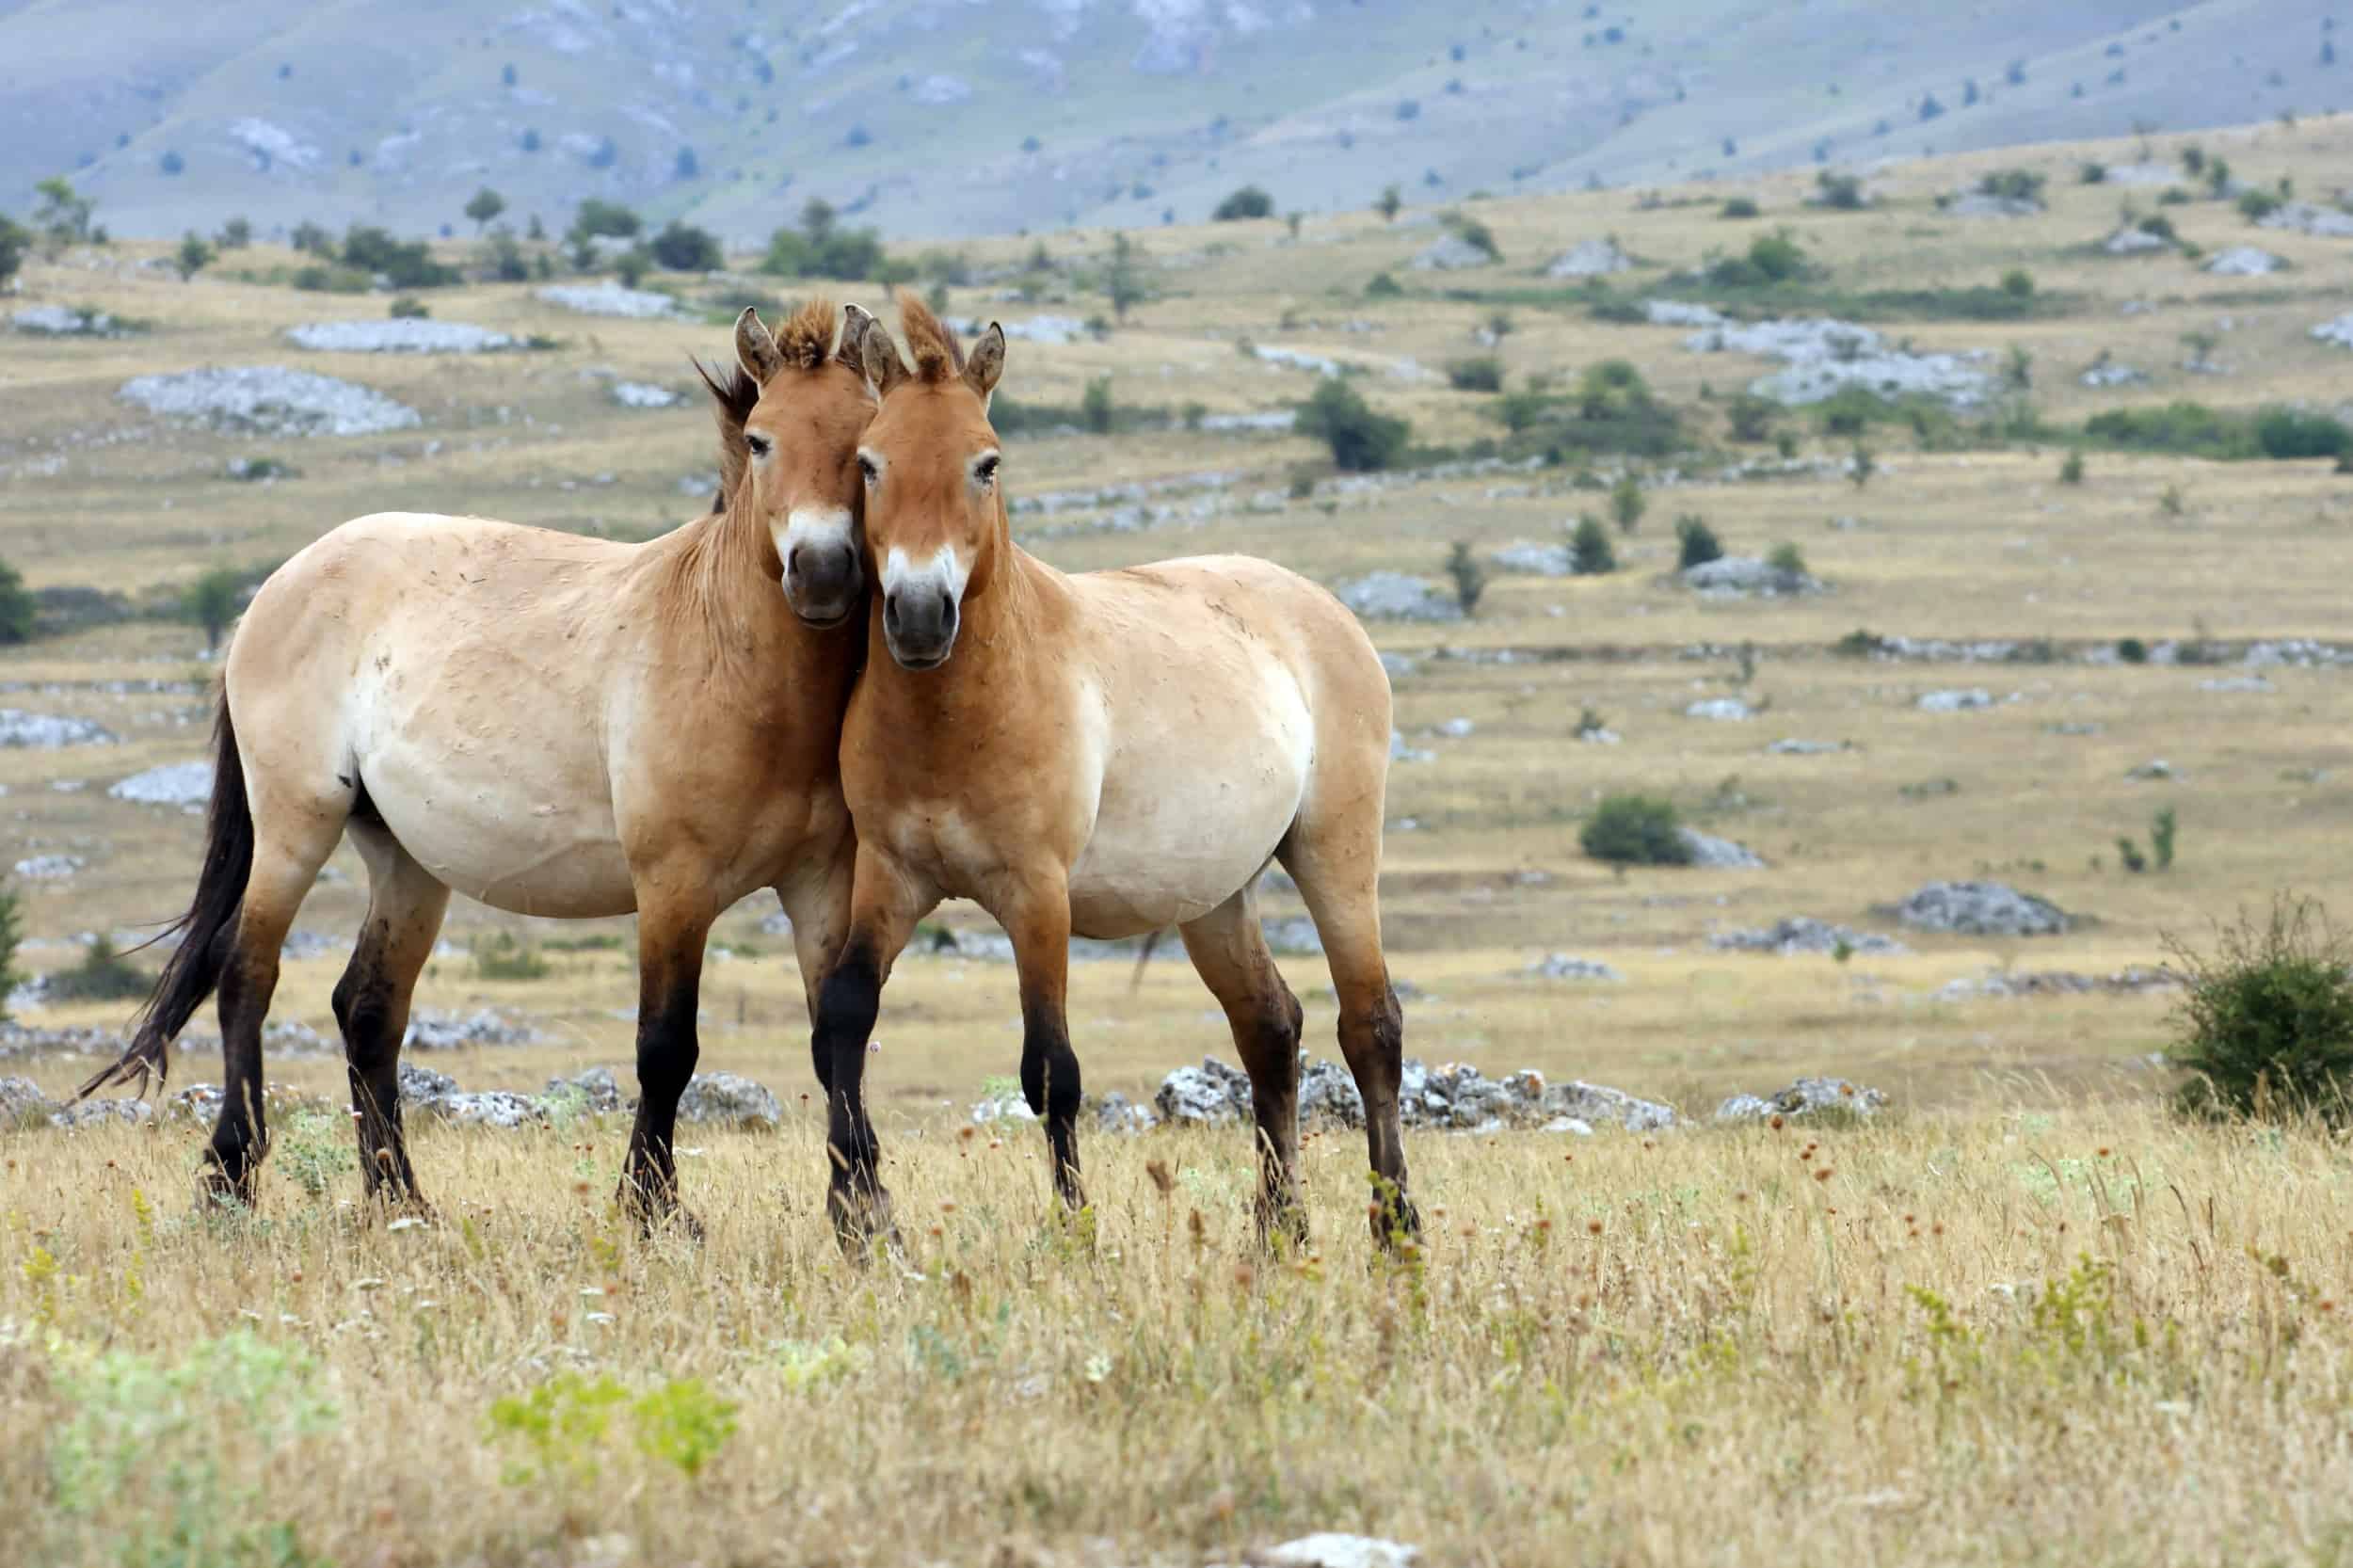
{"type": "Point", "coordinates": [1105, 755]}
{"type": "Point", "coordinates": [555, 726]}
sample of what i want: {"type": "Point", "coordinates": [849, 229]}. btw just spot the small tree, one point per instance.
{"type": "Point", "coordinates": [63, 216]}
{"type": "Point", "coordinates": [1361, 440]}
{"type": "Point", "coordinates": [1695, 542]}
{"type": "Point", "coordinates": [16, 608]}
{"type": "Point", "coordinates": [1628, 504]}
{"type": "Point", "coordinates": [195, 255]}
{"type": "Point", "coordinates": [1469, 577]}
{"type": "Point", "coordinates": [211, 602]}
{"type": "Point", "coordinates": [1635, 830]}
{"type": "Point", "coordinates": [1861, 466]}
{"type": "Point", "coordinates": [1752, 417]}
{"type": "Point", "coordinates": [682, 248]}
{"type": "Point", "coordinates": [11, 936]}
{"type": "Point", "coordinates": [2161, 830]}
{"type": "Point", "coordinates": [2072, 470]}
{"type": "Point", "coordinates": [1095, 406]}
{"type": "Point", "coordinates": [15, 240]}
{"type": "Point", "coordinates": [1589, 553]}
{"type": "Point", "coordinates": [2267, 1020]}
{"type": "Point", "coordinates": [486, 205]}
{"type": "Point", "coordinates": [1248, 202]}
{"type": "Point", "coordinates": [235, 234]}
{"type": "Point", "coordinates": [1391, 203]}
{"type": "Point", "coordinates": [1123, 283]}
{"type": "Point", "coordinates": [1787, 559]}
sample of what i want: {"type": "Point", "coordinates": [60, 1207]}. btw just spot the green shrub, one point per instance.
{"type": "Point", "coordinates": [408, 307]}
{"type": "Point", "coordinates": [2018, 284]}
{"type": "Point", "coordinates": [1770, 258]}
{"type": "Point", "coordinates": [15, 241]}
{"type": "Point", "coordinates": [1483, 374]}
{"type": "Point", "coordinates": [103, 975]}
{"type": "Point", "coordinates": [501, 956]}
{"type": "Point", "coordinates": [1589, 552]}
{"type": "Point", "coordinates": [17, 606]}
{"type": "Point", "coordinates": [1740, 207]}
{"type": "Point", "coordinates": [1787, 559]}
{"type": "Point", "coordinates": [2012, 184]}
{"type": "Point", "coordinates": [332, 280]}
{"type": "Point", "coordinates": [1361, 440]}
{"type": "Point", "coordinates": [606, 219]}
{"type": "Point", "coordinates": [2256, 205]}
{"type": "Point", "coordinates": [1096, 407]}
{"type": "Point", "coordinates": [1840, 192]}
{"type": "Point", "coordinates": [1751, 417]}
{"type": "Point", "coordinates": [2132, 651]}
{"type": "Point", "coordinates": [821, 248]}
{"type": "Point", "coordinates": [2292, 433]}
{"type": "Point", "coordinates": [1628, 504]}
{"type": "Point", "coordinates": [2266, 1019]}
{"type": "Point", "coordinates": [1384, 287]}
{"type": "Point", "coordinates": [682, 248]}
{"type": "Point", "coordinates": [1468, 576]}
{"type": "Point", "coordinates": [1476, 234]}
{"type": "Point", "coordinates": [194, 255]}
{"type": "Point", "coordinates": [2094, 174]}
{"type": "Point", "coordinates": [2162, 829]}
{"type": "Point", "coordinates": [11, 936]}
{"type": "Point", "coordinates": [2190, 428]}
{"type": "Point", "coordinates": [1635, 830]}
{"type": "Point", "coordinates": [2072, 469]}
{"type": "Point", "coordinates": [404, 264]}
{"type": "Point", "coordinates": [1695, 542]}
{"type": "Point", "coordinates": [1248, 202]}
{"type": "Point", "coordinates": [212, 603]}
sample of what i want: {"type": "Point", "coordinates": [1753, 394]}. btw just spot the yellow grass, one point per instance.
{"type": "Point", "coordinates": [1727, 1373]}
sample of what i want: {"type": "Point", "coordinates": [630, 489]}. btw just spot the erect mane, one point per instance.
{"type": "Point", "coordinates": [930, 340]}
{"type": "Point", "coordinates": [805, 339]}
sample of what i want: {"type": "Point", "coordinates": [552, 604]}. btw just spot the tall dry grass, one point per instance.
{"type": "Point", "coordinates": [2012, 1335]}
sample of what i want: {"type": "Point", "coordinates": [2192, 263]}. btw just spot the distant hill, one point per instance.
{"type": "Point", "coordinates": [932, 117]}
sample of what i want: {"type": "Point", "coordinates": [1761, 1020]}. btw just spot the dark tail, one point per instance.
{"type": "Point", "coordinates": [1151, 940]}
{"type": "Point", "coordinates": [206, 932]}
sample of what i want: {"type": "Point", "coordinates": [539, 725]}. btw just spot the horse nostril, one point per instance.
{"type": "Point", "coordinates": [792, 563]}
{"type": "Point", "coordinates": [890, 613]}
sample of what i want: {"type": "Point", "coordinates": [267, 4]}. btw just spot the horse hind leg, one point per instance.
{"type": "Point", "coordinates": [405, 904]}
{"type": "Point", "coordinates": [1337, 864]}
{"type": "Point", "coordinates": [290, 847]}
{"type": "Point", "coordinates": [1229, 951]}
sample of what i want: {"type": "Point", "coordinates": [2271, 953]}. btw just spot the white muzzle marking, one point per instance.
{"type": "Point", "coordinates": [943, 571]}
{"type": "Point", "coordinates": [815, 525]}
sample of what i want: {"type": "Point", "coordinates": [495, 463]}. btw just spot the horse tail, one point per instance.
{"type": "Point", "coordinates": [1151, 940]}
{"type": "Point", "coordinates": [208, 929]}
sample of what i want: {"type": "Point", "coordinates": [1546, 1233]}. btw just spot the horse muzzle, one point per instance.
{"type": "Point", "coordinates": [823, 583]}
{"type": "Point", "coordinates": [919, 627]}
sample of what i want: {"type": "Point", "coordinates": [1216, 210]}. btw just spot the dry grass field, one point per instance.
{"type": "Point", "coordinates": [2021, 1317]}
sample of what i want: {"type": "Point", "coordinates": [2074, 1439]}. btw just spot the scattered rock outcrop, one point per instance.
{"type": "Point", "coordinates": [2244, 261]}
{"type": "Point", "coordinates": [1562, 966]}
{"type": "Point", "coordinates": [399, 335]}
{"type": "Point", "coordinates": [1805, 1097]}
{"type": "Point", "coordinates": [1803, 934]}
{"type": "Point", "coordinates": [2309, 217]}
{"type": "Point", "coordinates": [1394, 595]}
{"type": "Point", "coordinates": [173, 784]}
{"type": "Point", "coordinates": [1744, 576]}
{"type": "Point", "coordinates": [269, 400]}
{"type": "Point", "coordinates": [48, 731]}
{"type": "Point", "coordinates": [609, 299]}
{"type": "Point", "coordinates": [1589, 258]}
{"type": "Point", "coordinates": [1718, 853]}
{"type": "Point", "coordinates": [1825, 357]}
{"type": "Point", "coordinates": [1449, 253]}
{"type": "Point", "coordinates": [1982, 909]}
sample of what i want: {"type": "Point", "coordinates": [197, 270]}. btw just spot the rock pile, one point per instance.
{"type": "Point", "coordinates": [1805, 1097]}
{"type": "Point", "coordinates": [48, 731]}
{"type": "Point", "coordinates": [1826, 357]}
{"type": "Point", "coordinates": [609, 299]}
{"type": "Point", "coordinates": [2309, 217]}
{"type": "Point", "coordinates": [1589, 258]}
{"type": "Point", "coordinates": [398, 336]}
{"type": "Point", "coordinates": [1982, 909]}
{"type": "Point", "coordinates": [173, 784]}
{"type": "Point", "coordinates": [1562, 966]}
{"type": "Point", "coordinates": [1744, 576]}
{"type": "Point", "coordinates": [1394, 595]}
{"type": "Point", "coordinates": [269, 400]}
{"type": "Point", "coordinates": [1803, 934]}
{"type": "Point", "coordinates": [1449, 253]}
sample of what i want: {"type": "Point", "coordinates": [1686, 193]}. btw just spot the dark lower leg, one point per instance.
{"type": "Point", "coordinates": [1267, 1041]}
{"type": "Point", "coordinates": [368, 1011]}
{"type": "Point", "coordinates": [1049, 1082]}
{"type": "Point", "coordinates": [241, 1137]}
{"type": "Point", "coordinates": [668, 994]}
{"type": "Point", "coordinates": [847, 1007]}
{"type": "Point", "coordinates": [1372, 1037]}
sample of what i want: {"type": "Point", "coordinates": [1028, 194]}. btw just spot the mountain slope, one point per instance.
{"type": "Point", "coordinates": [932, 119]}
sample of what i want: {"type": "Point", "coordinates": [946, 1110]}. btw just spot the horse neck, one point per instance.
{"type": "Point", "coordinates": [724, 596]}
{"type": "Point", "coordinates": [1005, 620]}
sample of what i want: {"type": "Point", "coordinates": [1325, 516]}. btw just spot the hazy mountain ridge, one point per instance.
{"type": "Point", "coordinates": [935, 118]}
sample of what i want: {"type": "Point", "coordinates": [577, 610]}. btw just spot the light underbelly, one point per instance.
{"type": "Point", "coordinates": [1163, 862]}
{"type": "Point", "coordinates": [535, 840]}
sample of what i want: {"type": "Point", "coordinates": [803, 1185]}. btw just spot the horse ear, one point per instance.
{"type": "Point", "coordinates": [853, 349]}
{"type": "Point", "coordinates": [879, 357]}
{"type": "Point", "coordinates": [987, 362]}
{"type": "Point", "coordinates": [756, 347]}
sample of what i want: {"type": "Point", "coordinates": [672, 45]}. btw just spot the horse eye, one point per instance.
{"type": "Point", "coordinates": [759, 445]}
{"type": "Point", "coordinates": [986, 469]}
{"type": "Point", "coordinates": [866, 469]}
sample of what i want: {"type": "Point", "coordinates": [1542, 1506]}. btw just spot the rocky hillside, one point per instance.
{"type": "Point", "coordinates": [931, 119]}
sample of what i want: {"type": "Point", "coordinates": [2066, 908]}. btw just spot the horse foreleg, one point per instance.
{"type": "Point", "coordinates": [885, 905]}
{"type": "Point", "coordinates": [670, 938]}
{"type": "Point", "coordinates": [1038, 920]}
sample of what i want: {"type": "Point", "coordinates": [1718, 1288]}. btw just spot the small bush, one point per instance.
{"type": "Point", "coordinates": [103, 975]}
{"type": "Point", "coordinates": [1695, 542]}
{"type": "Point", "coordinates": [2018, 284]}
{"type": "Point", "coordinates": [1740, 207]}
{"type": "Point", "coordinates": [1248, 202]}
{"type": "Point", "coordinates": [11, 936]}
{"type": "Point", "coordinates": [2012, 184]}
{"type": "Point", "coordinates": [1752, 417]}
{"type": "Point", "coordinates": [2292, 433]}
{"type": "Point", "coordinates": [1770, 258]}
{"type": "Point", "coordinates": [1361, 440]}
{"type": "Point", "coordinates": [2072, 469]}
{"type": "Point", "coordinates": [2162, 828]}
{"type": "Point", "coordinates": [1839, 192]}
{"type": "Point", "coordinates": [2267, 1020]}
{"type": "Point", "coordinates": [405, 263]}
{"type": "Point", "coordinates": [1468, 576]}
{"type": "Point", "coordinates": [1628, 504]}
{"type": "Point", "coordinates": [2256, 205]}
{"type": "Point", "coordinates": [1484, 374]}
{"type": "Point", "coordinates": [1787, 559]}
{"type": "Point", "coordinates": [1096, 407]}
{"type": "Point", "coordinates": [17, 606]}
{"type": "Point", "coordinates": [2094, 174]}
{"type": "Point", "coordinates": [2132, 651]}
{"type": "Point", "coordinates": [501, 956]}
{"type": "Point", "coordinates": [1589, 552]}
{"type": "Point", "coordinates": [332, 280]}
{"type": "Point", "coordinates": [682, 248]}
{"type": "Point", "coordinates": [1635, 830]}
{"type": "Point", "coordinates": [1383, 287]}
{"type": "Point", "coordinates": [408, 307]}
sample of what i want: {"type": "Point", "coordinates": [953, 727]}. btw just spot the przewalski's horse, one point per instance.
{"type": "Point", "coordinates": [1104, 753]}
{"type": "Point", "coordinates": [555, 726]}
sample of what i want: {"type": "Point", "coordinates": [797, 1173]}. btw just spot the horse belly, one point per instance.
{"type": "Point", "coordinates": [527, 829]}
{"type": "Point", "coordinates": [1189, 815]}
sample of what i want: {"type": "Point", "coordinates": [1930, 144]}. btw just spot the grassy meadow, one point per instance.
{"type": "Point", "coordinates": [2024, 1317]}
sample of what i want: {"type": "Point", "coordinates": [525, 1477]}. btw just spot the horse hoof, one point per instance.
{"type": "Point", "coordinates": [860, 1218]}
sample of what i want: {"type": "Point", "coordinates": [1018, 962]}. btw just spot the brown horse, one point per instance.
{"type": "Point", "coordinates": [1104, 753]}
{"type": "Point", "coordinates": [555, 726]}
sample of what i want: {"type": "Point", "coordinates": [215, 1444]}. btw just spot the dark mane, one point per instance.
{"type": "Point", "coordinates": [734, 394]}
